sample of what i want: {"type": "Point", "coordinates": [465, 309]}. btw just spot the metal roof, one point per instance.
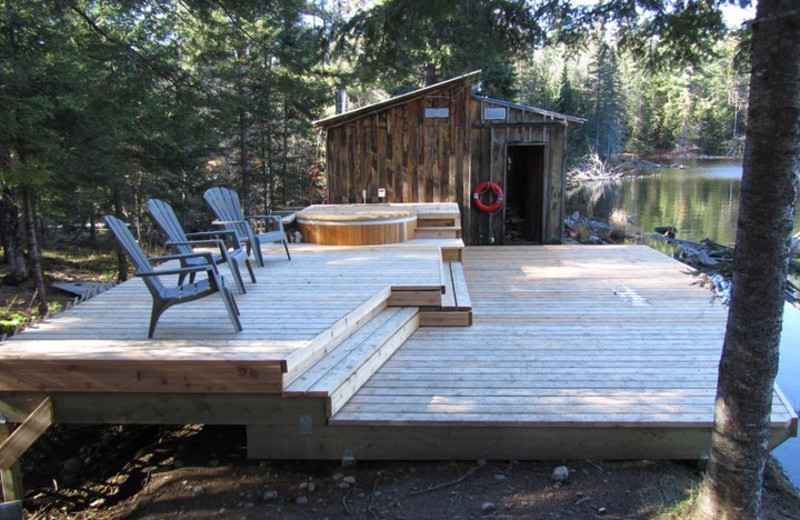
{"type": "Point", "coordinates": [353, 114]}
{"type": "Point", "coordinates": [531, 108]}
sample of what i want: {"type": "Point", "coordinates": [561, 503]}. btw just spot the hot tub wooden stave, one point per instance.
{"type": "Point", "coordinates": [356, 224]}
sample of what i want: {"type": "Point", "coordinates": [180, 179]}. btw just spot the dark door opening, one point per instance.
{"type": "Point", "coordinates": [525, 195]}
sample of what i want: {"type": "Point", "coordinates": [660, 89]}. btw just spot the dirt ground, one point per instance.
{"type": "Point", "coordinates": [197, 472]}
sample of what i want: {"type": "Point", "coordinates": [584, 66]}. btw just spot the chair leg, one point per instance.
{"type": "Point", "coordinates": [286, 247]}
{"type": "Point", "coordinates": [250, 269]}
{"type": "Point", "coordinates": [159, 306]}
{"type": "Point", "coordinates": [233, 309]}
{"type": "Point", "coordinates": [237, 275]}
{"type": "Point", "coordinates": [257, 253]}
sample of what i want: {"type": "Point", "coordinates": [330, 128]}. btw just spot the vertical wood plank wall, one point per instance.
{"type": "Point", "coordinates": [490, 141]}
{"type": "Point", "coordinates": [416, 159]}
{"type": "Point", "coordinates": [419, 159]}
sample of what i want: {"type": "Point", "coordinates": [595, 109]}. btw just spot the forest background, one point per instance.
{"type": "Point", "coordinates": [107, 103]}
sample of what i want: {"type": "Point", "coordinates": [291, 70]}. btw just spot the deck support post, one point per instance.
{"type": "Point", "coordinates": [11, 477]}
{"type": "Point", "coordinates": [13, 445]}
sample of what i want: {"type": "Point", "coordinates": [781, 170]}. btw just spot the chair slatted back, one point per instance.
{"type": "Point", "coordinates": [225, 203]}
{"type": "Point", "coordinates": [165, 216]}
{"type": "Point", "coordinates": [127, 242]}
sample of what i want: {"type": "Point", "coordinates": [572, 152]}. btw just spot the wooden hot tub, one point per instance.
{"type": "Point", "coordinates": [356, 224]}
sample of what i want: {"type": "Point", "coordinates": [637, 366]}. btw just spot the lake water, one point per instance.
{"type": "Point", "coordinates": [701, 201]}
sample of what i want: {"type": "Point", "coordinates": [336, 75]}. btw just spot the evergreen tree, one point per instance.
{"type": "Point", "coordinates": [604, 126]}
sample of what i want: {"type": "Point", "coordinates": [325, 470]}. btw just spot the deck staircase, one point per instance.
{"type": "Point", "coordinates": [441, 225]}
{"type": "Point", "coordinates": [338, 375]}
{"type": "Point", "coordinates": [340, 360]}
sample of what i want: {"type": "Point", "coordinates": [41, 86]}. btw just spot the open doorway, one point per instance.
{"type": "Point", "coordinates": [525, 194]}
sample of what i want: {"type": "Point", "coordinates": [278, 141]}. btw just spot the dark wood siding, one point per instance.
{"type": "Point", "coordinates": [490, 140]}
{"type": "Point", "coordinates": [419, 159]}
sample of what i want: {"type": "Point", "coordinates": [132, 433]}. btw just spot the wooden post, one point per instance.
{"type": "Point", "coordinates": [13, 445]}
{"type": "Point", "coordinates": [11, 477]}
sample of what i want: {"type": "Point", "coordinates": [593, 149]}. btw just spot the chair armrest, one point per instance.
{"type": "Point", "coordinates": [225, 222]}
{"type": "Point", "coordinates": [174, 270]}
{"type": "Point", "coordinates": [277, 218]}
{"type": "Point", "coordinates": [223, 247]}
{"type": "Point", "coordinates": [221, 233]}
{"type": "Point", "coordinates": [208, 256]}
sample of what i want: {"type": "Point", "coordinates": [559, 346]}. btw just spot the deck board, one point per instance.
{"type": "Point", "coordinates": [562, 335]}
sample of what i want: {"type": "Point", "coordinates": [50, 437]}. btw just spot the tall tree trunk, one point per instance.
{"type": "Point", "coordinates": [122, 260]}
{"type": "Point", "coordinates": [265, 115]}
{"type": "Point", "coordinates": [244, 152]}
{"type": "Point", "coordinates": [285, 166]}
{"type": "Point", "coordinates": [29, 210]}
{"type": "Point", "coordinates": [733, 482]}
{"type": "Point", "coordinates": [11, 231]}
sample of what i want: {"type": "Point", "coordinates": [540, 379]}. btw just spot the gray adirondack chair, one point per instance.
{"type": "Point", "coordinates": [184, 243]}
{"type": "Point", "coordinates": [225, 203]}
{"type": "Point", "coordinates": [165, 297]}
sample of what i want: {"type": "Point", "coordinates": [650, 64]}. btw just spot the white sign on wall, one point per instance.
{"type": "Point", "coordinates": [437, 113]}
{"type": "Point", "coordinates": [494, 113]}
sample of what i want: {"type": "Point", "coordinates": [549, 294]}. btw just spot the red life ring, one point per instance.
{"type": "Point", "coordinates": [482, 188]}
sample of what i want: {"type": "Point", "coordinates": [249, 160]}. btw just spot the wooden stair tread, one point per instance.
{"type": "Point", "coordinates": [458, 298]}
{"type": "Point", "coordinates": [456, 226]}
{"type": "Point", "coordinates": [303, 359]}
{"type": "Point", "coordinates": [311, 376]}
{"type": "Point", "coordinates": [346, 368]}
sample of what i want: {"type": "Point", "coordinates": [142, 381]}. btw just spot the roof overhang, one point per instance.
{"type": "Point", "coordinates": [548, 114]}
{"type": "Point", "coordinates": [397, 100]}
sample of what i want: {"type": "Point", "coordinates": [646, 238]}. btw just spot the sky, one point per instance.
{"type": "Point", "coordinates": [734, 16]}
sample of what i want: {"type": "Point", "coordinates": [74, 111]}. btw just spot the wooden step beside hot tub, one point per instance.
{"type": "Point", "coordinates": [357, 224]}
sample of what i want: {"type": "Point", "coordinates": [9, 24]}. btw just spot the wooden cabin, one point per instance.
{"type": "Point", "coordinates": [438, 143]}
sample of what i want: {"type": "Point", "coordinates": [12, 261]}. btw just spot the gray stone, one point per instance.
{"type": "Point", "coordinates": [560, 474]}
{"type": "Point", "coordinates": [488, 507]}
{"type": "Point", "coordinates": [350, 479]}
{"type": "Point", "coordinates": [269, 495]}
{"type": "Point", "coordinates": [301, 500]}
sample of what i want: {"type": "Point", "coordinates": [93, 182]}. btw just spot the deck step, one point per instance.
{"type": "Point", "coordinates": [317, 348]}
{"type": "Point", "coordinates": [439, 232]}
{"type": "Point", "coordinates": [338, 375]}
{"type": "Point", "coordinates": [458, 283]}
{"type": "Point", "coordinates": [456, 308]}
{"type": "Point", "coordinates": [435, 221]}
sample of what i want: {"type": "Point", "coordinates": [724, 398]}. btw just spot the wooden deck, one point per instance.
{"type": "Point", "coordinates": [102, 345]}
{"type": "Point", "coordinates": [573, 351]}
{"type": "Point", "coordinates": [562, 336]}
